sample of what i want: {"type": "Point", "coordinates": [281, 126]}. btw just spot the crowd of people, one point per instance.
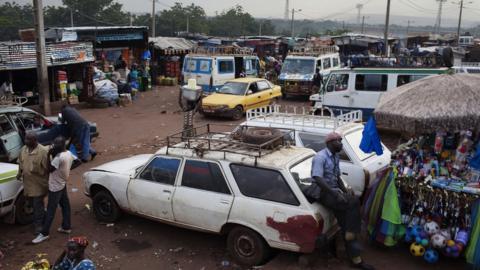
{"type": "Point", "coordinates": [45, 172]}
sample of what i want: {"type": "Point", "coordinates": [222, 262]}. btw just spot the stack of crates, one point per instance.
{"type": "Point", "coordinates": [172, 69]}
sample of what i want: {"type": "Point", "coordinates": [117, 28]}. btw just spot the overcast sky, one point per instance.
{"type": "Point", "coordinates": [318, 9]}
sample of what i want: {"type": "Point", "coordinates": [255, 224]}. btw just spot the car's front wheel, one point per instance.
{"type": "Point", "coordinates": [105, 207]}
{"type": "Point", "coordinates": [237, 113]}
{"type": "Point", "coordinates": [247, 247]}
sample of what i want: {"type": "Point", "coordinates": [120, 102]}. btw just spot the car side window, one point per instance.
{"type": "Point", "coordinates": [161, 170]}
{"type": "Point", "coordinates": [5, 125]}
{"type": "Point", "coordinates": [225, 66]}
{"type": "Point", "coordinates": [263, 85]}
{"type": "Point", "coordinates": [253, 87]}
{"type": "Point", "coordinates": [31, 121]}
{"type": "Point", "coordinates": [263, 184]}
{"type": "Point", "coordinates": [205, 176]}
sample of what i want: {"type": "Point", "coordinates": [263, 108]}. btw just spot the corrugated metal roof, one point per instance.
{"type": "Point", "coordinates": [172, 43]}
{"type": "Point", "coordinates": [22, 55]}
{"type": "Point", "coordinates": [93, 28]}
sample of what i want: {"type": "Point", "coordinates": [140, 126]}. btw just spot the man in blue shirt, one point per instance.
{"type": "Point", "coordinates": [336, 197]}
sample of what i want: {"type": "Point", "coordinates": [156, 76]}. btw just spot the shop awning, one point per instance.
{"type": "Point", "coordinates": [22, 55]}
{"type": "Point", "coordinates": [172, 45]}
{"type": "Point", "coordinates": [442, 102]}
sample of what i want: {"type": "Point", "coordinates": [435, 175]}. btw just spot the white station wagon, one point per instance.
{"type": "Point", "coordinates": [215, 183]}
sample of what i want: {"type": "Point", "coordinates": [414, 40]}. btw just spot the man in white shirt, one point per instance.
{"type": "Point", "coordinates": [60, 160]}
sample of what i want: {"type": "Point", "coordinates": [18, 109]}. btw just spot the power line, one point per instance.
{"type": "Point", "coordinates": [416, 8]}
{"type": "Point", "coordinates": [94, 19]}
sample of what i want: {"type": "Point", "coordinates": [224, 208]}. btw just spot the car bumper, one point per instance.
{"type": "Point", "coordinates": [298, 90]}
{"type": "Point", "coordinates": [223, 112]}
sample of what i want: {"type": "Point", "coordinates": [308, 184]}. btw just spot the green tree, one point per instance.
{"type": "Point", "coordinates": [14, 17]}
{"type": "Point", "coordinates": [174, 20]}
{"type": "Point", "coordinates": [56, 16]}
{"type": "Point", "coordinates": [97, 12]}
{"type": "Point", "coordinates": [234, 22]}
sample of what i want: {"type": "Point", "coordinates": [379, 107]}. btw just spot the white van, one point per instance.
{"type": "Point", "coordinates": [360, 88]}
{"type": "Point", "coordinates": [298, 69]}
{"type": "Point", "coordinates": [213, 68]}
{"type": "Point", "coordinates": [358, 169]}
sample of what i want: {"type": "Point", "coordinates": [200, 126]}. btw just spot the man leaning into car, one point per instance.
{"type": "Point", "coordinates": [32, 170]}
{"type": "Point", "coordinates": [337, 198]}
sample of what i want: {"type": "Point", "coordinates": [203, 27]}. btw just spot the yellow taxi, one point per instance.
{"type": "Point", "coordinates": [237, 96]}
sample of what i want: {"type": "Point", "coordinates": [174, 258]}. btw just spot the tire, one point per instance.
{"type": "Point", "coordinates": [23, 210]}
{"type": "Point", "coordinates": [260, 135]}
{"type": "Point", "coordinates": [105, 207]}
{"type": "Point", "coordinates": [247, 247]}
{"type": "Point", "coordinates": [237, 113]}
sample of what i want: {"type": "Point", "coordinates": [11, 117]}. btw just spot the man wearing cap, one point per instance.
{"type": "Point", "coordinates": [335, 196]}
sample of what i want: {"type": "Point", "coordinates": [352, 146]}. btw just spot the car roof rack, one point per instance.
{"type": "Point", "coordinates": [214, 138]}
{"type": "Point", "coordinates": [223, 50]}
{"type": "Point", "coordinates": [313, 51]}
{"type": "Point", "coordinates": [301, 116]}
{"type": "Point", "coordinates": [12, 100]}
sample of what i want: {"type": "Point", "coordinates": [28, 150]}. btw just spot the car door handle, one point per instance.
{"type": "Point", "coordinates": [271, 94]}
{"type": "Point", "coordinates": [225, 202]}
{"type": "Point", "coordinates": [259, 96]}
{"type": "Point", "coordinates": [167, 191]}
{"type": "Point", "coordinates": [346, 96]}
{"type": "Point", "coordinates": [344, 173]}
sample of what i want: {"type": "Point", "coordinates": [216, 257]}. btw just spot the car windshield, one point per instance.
{"type": "Point", "coordinates": [233, 88]}
{"type": "Point", "coordinates": [298, 66]}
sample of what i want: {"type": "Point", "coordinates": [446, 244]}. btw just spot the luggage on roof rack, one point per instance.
{"type": "Point", "coordinates": [222, 50]}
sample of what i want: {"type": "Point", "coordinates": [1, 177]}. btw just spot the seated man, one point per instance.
{"type": "Point", "coordinates": [336, 197]}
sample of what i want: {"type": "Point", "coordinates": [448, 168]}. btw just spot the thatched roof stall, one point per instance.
{"type": "Point", "coordinates": [443, 102]}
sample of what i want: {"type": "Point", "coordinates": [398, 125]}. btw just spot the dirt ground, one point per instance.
{"type": "Point", "coordinates": [137, 243]}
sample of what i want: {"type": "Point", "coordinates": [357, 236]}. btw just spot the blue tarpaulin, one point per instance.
{"type": "Point", "coordinates": [370, 139]}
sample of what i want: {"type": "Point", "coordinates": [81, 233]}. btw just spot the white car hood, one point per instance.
{"type": "Point", "coordinates": [124, 166]}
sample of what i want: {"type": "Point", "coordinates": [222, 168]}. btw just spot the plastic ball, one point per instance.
{"type": "Point", "coordinates": [431, 227]}
{"type": "Point", "coordinates": [417, 250]}
{"type": "Point", "coordinates": [424, 234]}
{"type": "Point", "coordinates": [409, 237]}
{"type": "Point", "coordinates": [462, 237]}
{"type": "Point", "coordinates": [431, 256]}
{"type": "Point", "coordinates": [418, 240]}
{"type": "Point", "coordinates": [417, 230]}
{"type": "Point", "coordinates": [452, 251]}
{"type": "Point", "coordinates": [424, 242]}
{"type": "Point", "coordinates": [446, 234]}
{"type": "Point", "coordinates": [438, 241]}
{"type": "Point", "coordinates": [450, 243]}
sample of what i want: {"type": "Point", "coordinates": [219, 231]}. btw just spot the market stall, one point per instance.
{"type": "Point", "coordinates": [429, 196]}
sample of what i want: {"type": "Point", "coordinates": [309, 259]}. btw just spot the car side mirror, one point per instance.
{"type": "Point", "coordinates": [249, 92]}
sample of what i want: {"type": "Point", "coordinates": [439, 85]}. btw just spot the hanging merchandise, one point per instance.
{"type": "Point", "coordinates": [429, 198]}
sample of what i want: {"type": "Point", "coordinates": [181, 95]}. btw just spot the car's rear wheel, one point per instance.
{"type": "Point", "coordinates": [237, 113]}
{"type": "Point", "coordinates": [105, 207]}
{"type": "Point", "coordinates": [23, 210]}
{"type": "Point", "coordinates": [247, 247]}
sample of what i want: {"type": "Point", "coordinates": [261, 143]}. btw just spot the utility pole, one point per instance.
{"type": "Point", "coordinates": [459, 21]}
{"type": "Point", "coordinates": [188, 24]}
{"type": "Point", "coordinates": [363, 24]}
{"type": "Point", "coordinates": [153, 18]}
{"type": "Point", "coordinates": [131, 19]}
{"type": "Point", "coordinates": [260, 28]}
{"type": "Point", "coordinates": [439, 16]}
{"type": "Point", "coordinates": [408, 26]}
{"type": "Point", "coordinates": [71, 17]}
{"type": "Point", "coordinates": [387, 22]}
{"type": "Point", "coordinates": [42, 71]}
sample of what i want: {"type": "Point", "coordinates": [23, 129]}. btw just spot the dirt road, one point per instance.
{"type": "Point", "coordinates": [137, 243]}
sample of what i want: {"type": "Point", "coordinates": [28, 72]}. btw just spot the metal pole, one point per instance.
{"type": "Point", "coordinates": [459, 21]}
{"type": "Point", "coordinates": [293, 18]}
{"type": "Point", "coordinates": [408, 27]}
{"type": "Point", "coordinates": [387, 21]}
{"type": "Point", "coordinates": [153, 18]}
{"type": "Point", "coordinates": [71, 17]}
{"type": "Point", "coordinates": [42, 69]}
{"type": "Point", "coordinates": [363, 24]}
{"type": "Point", "coordinates": [260, 28]}
{"type": "Point", "coordinates": [188, 24]}
{"type": "Point", "coordinates": [131, 19]}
